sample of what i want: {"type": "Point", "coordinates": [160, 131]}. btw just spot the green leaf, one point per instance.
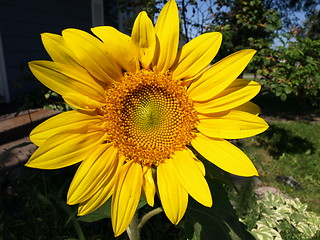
{"type": "Point", "coordinates": [283, 97]}
{"type": "Point", "coordinates": [287, 89]}
{"type": "Point", "coordinates": [197, 231]}
{"type": "Point", "coordinates": [219, 221]}
{"type": "Point", "coordinates": [68, 210]}
{"type": "Point", "coordinates": [215, 173]}
{"type": "Point", "coordinates": [104, 212]}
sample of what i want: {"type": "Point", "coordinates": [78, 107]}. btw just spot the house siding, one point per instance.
{"type": "Point", "coordinates": [22, 22]}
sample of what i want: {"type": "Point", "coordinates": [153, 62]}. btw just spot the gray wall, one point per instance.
{"type": "Point", "coordinates": [22, 22]}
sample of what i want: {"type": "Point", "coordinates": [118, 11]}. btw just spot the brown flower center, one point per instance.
{"type": "Point", "coordinates": [149, 117]}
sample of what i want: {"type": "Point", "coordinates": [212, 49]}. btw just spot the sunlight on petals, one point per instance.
{"type": "Point", "coordinates": [231, 125]}
{"type": "Point", "coordinates": [119, 46]}
{"type": "Point", "coordinates": [194, 57]}
{"type": "Point", "coordinates": [167, 30]}
{"type": "Point", "coordinates": [220, 75]}
{"type": "Point", "coordinates": [174, 198]}
{"type": "Point", "coordinates": [224, 155]}
{"type": "Point", "coordinates": [144, 39]}
{"type": "Point", "coordinates": [148, 185]}
{"type": "Point", "coordinates": [191, 177]}
{"type": "Point", "coordinates": [236, 94]}
{"type": "Point", "coordinates": [126, 196]}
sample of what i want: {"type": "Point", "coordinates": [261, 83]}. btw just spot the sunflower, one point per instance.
{"type": "Point", "coordinates": [140, 106]}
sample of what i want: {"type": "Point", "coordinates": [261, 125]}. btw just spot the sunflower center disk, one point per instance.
{"type": "Point", "coordinates": [149, 117]}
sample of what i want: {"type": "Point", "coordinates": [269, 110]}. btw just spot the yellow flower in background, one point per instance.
{"type": "Point", "coordinates": [140, 103]}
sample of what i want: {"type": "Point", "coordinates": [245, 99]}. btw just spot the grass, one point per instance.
{"type": "Point", "coordinates": [290, 149]}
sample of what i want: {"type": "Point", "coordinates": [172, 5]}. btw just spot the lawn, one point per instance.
{"type": "Point", "coordinates": [289, 149]}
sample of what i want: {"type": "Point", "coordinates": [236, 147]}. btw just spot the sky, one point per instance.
{"type": "Point", "coordinates": [202, 15]}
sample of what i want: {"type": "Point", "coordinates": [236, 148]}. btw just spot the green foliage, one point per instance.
{"type": "Point", "coordinates": [290, 69]}
{"type": "Point", "coordinates": [54, 101]}
{"type": "Point", "coordinates": [218, 222]}
{"type": "Point", "coordinates": [291, 10]}
{"type": "Point", "coordinates": [246, 24]}
{"type": "Point", "coordinates": [294, 69]}
{"type": "Point", "coordinates": [29, 212]}
{"type": "Point", "coordinates": [42, 97]}
{"type": "Point", "coordinates": [244, 201]}
{"type": "Point", "coordinates": [289, 148]}
{"type": "Point", "coordinates": [311, 26]}
{"type": "Point", "coordinates": [33, 206]}
{"type": "Point", "coordinates": [284, 218]}
{"type": "Point", "coordinates": [104, 212]}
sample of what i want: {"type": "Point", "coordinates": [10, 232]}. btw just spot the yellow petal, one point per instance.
{"type": "Point", "coordinates": [198, 162]}
{"type": "Point", "coordinates": [149, 186]}
{"type": "Point", "coordinates": [65, 149]}
{"type": "Point", "coordinates": [97, 169]}
{"type": "Point", "coordinates": [237, 93]}
{"type": "Point", "coordinates": [196, 55]}
{"type": "Point", "coordinates": [102, 194]}
{"type": "Point", "coordinates": [167, 31]}
{"type": "Point", "coordinates": [96, 201]}
{"type": "Point", "coordinates": [190, 177]}
{"type": "Point", "coordinates": [143, 39]}
{"type": "Point", "coordinates": [220, 75]}
{"type": "Point", "coordinates": [92, 55]}
{"type": "Point", "coordinates": [249, 107]}
{"type": "Point", "coordinates": [78, 101]}
{"type": "Point", "coordinates": [200, 166]}
{"type": "Point", "coordinates": [127, 191]}
{"type": "Point", "coordinates": [231, 125]}
{"type": "Point", "coordinates": [70, 120]}
{"type": "Point", "coordinates": [224, 155]}
{"type": "Point", "coordinates": [58, 51]}
{"type": "Point", "coordinates": [119, 46]}
{"type": "Point", "coordinates": [174, 198]}
{"type": "Point", "coordinates": [64, 79]}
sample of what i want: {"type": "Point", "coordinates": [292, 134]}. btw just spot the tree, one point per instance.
{"type": "Point", "coordinates": [289, 8]}
{"type": "Point", "coordinates": [293, 69]}
{"type": "Point", "coordinates": [246, 24]}
{"type": "Point", "coordinates": [311, 27]}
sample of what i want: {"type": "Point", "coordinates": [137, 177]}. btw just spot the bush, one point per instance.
{"type": "Point", "coordinates": [294, 69]}
{"type": "Point", "coordinates": [284, 218]}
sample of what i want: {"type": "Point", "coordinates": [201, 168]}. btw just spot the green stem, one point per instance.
{"type": "Point", "coordinates": [149, 215]}
{"type": "Point", "coordinates": [133, 231]}
{"type": "Point", "coordinates": [134, 228]}
{"type": "Point", "coordinates": [44, 183]}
